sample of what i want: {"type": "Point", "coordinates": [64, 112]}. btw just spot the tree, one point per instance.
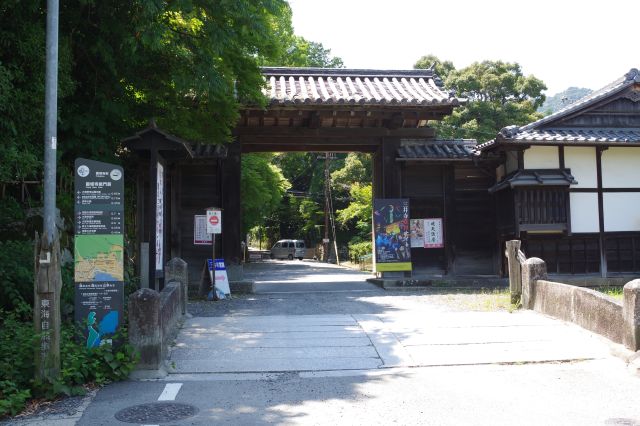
{"type": "Point", "coordinates": [262, 186]}
{"type": "Point", "coordinates": [563, 99]}
{"type": "Point", "coordinates": [359, 210]}
{"type": "Point", "coordinates": [188, 63]}
{"type": "Point", "coordinates": [441, 68]}
{"type": "Point", "coordinates": [498, 94]}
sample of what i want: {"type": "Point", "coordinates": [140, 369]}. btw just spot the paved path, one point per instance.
{"type": "Point", "coordinates": [324, 351]}
{"type": "Point", "coordinates": [369, 341]}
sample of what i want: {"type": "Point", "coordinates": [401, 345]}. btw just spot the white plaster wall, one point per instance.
{"type": "Point", "coordinates": [621, 167]}
{"type": "Point", "coordinates": [582, 162]}
{"type": "Point", "coordinates": [512, 161]}
{"type": "Point", "coordinates": [541, 157]}
{"type": "Point", "coordinates": [584, 212]}
{"type": "Point", "coordinates": [621, 211]}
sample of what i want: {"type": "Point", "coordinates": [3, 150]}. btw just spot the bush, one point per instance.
{"type": "Point", "coordinates": [16, 270]}
{"type": "Point", "coordinates": [356, 250]}
{"type": "Point", "coordinates": [80, 365]}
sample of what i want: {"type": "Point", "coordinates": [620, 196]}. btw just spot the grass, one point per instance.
{"type": "Point", "coordinates": [615, 292]}
{"type": "Point", "coordinates": [483, 300]}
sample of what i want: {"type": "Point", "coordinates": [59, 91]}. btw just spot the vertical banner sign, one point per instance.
{"type": "Point", "coordinates": [417, 233]}
{"type": "Point", "coordinates": [160, 218]}
{"type": "Point", "coordinates": [433, 233]}
{"type": "Point", "coordinates": [200, 235]}
{"type": "Point", "coordinates": [99, 249]}
{"type": "Point", "coordinates": [392, 234]}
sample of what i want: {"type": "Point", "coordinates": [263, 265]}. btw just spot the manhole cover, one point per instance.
{"type": "Point", "coordinates": [621, 422]}
{"type": "Point", "coordinates": [156, 412]}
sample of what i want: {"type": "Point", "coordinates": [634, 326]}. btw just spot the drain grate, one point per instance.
{"type": "Point", "coordinates": [156, 412]}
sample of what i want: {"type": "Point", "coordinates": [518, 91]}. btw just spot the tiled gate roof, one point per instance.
{"type": "Point", "coordinates": [337, 86]}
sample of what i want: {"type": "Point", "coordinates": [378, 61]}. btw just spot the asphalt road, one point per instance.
{"type": "Point", "coordinates": [319, 345]}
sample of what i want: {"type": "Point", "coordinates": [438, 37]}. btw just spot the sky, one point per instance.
{"type": "Point", "coordinates": [562, 42]}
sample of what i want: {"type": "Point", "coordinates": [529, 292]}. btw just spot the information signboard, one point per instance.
{"type": "Point", "coordinates": [391, 232]}
{"type": "Point", "coordinates": [99, 249]}
{"type": "Point", "coordinates": [434, 237]}
{"type": "Point", "coordinates": [200, 235]}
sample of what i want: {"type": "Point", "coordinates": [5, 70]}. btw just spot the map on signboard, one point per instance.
{"type": "Point", "coordinates": [99, 258]}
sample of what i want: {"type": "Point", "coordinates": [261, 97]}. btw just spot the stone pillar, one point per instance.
{"type": "Point", "coordinates": [515, 273]}
{"type": "Point", "coordinates": [631, 315]}
{"type": "Point", "coordinates": [145, 333]}
{"type": "Point", "coordinates": [533, 269]}
{"type": "Point", "coordinates": [178, 270]}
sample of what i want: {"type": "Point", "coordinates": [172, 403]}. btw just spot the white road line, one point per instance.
{"type": "Point", "coordinates": [170, 392]}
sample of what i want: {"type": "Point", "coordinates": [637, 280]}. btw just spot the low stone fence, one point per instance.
{"type": "Point", "coordinates": [154, 317]}
{"type": "Point", "coordinates": [592, 310]}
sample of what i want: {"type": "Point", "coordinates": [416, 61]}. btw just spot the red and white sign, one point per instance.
{"type": "Point", "coordinates": [433, 235]}
{"type": "Point", "coordinates": [214, 221]}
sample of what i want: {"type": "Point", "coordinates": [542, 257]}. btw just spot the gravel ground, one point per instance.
{"type": "Point", "coordinates": [39, 412]}
{"type": "Point", "coordinates": [369, 302]}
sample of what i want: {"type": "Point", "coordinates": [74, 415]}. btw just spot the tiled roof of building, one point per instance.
{"type": "Point", "coordinates": [338, 86]}
{"type": "Point", "coordinates": [418, 149]}
{"type": "Point", "coordinates": [540, 177]}
{"type": "Point", "coordinates": [543, 130]}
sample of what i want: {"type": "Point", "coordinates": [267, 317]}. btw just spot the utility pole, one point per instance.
{"type": "Point", "coordinates": [48, 280]}
{"type": "Point", "coordinates": [325, 241]}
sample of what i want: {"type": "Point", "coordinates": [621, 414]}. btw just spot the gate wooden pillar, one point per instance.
{"type": "Point", "coordinates": [156, 149]}
{"type": "Point", "coordinates": [231, 214]}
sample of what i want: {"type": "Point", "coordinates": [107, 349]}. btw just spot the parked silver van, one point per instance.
{"type": "Point", "coordinates": [288, 249]}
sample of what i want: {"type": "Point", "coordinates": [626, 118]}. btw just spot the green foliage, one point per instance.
{"type": "Point", "coordinates": [79, 364]}
{"type": "Point", "coordinates": [359, 249]}
{"type": "Point", "coordinates": [359, 210]}
{"type": "Point", "coordinates": [563, 99]}
{"type": "Point", "coordinates": [262, 186]}
{"type": "Point", "coordinates": [12, 398]}
{"type": "Point", "coordinates": [99, 365]}
{"type": "Point", "coordinates": [498, 95]}
{"type": "Point", "coordinates": [188, 63]}
{"type": "Point", "coordinates": [16, 270]}
{"type": "Point", "coordinates": [441, 68]}
{"type": "Point", "coordinates": [301, 52]}
{"type": "Point", "coordinates": [356, 169]}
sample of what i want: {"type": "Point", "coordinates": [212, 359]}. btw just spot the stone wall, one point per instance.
{"type": "Point", "coordinates": [590, 309]}
{"type": "Point", "coordinates": [154, 319]}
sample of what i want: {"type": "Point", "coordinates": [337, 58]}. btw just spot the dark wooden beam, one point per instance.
{"type": "Point", "coordinates": [601, 236]}
{"type": "Point", "coordinates": [335, 132]}
{"type": "Point", "coordinates": [275, 147]}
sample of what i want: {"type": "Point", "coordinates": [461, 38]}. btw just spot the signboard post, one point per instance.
{"type": "Point", "coordinates": [214, 226]}
{"type": "Point", "coordinates": [99, 249]}
{"type": "Point", "coordinates": [391, 233]}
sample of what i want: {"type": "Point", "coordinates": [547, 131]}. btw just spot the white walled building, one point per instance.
{"type": "Point", "coordinates": [569, 184]}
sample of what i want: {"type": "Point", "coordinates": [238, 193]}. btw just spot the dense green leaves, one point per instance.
{"type": "Point", "coordinates": [498, 95]}
{"type": "Point", "coordinates": [262, 186]}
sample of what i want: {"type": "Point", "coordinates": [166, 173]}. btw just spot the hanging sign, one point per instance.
{"type": "Point", "coordinates": [433, 233]}
{"type": "Point", "coordinates": [159, 217]}
{"type": "Point", "coordinates": [391, 231]}
{"type": "Point", "coordinates": [99, 249]}
{"type": "Point", "coordinates": [214, 221]}
{"type": "Point", "coordinates": [200, 235]}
